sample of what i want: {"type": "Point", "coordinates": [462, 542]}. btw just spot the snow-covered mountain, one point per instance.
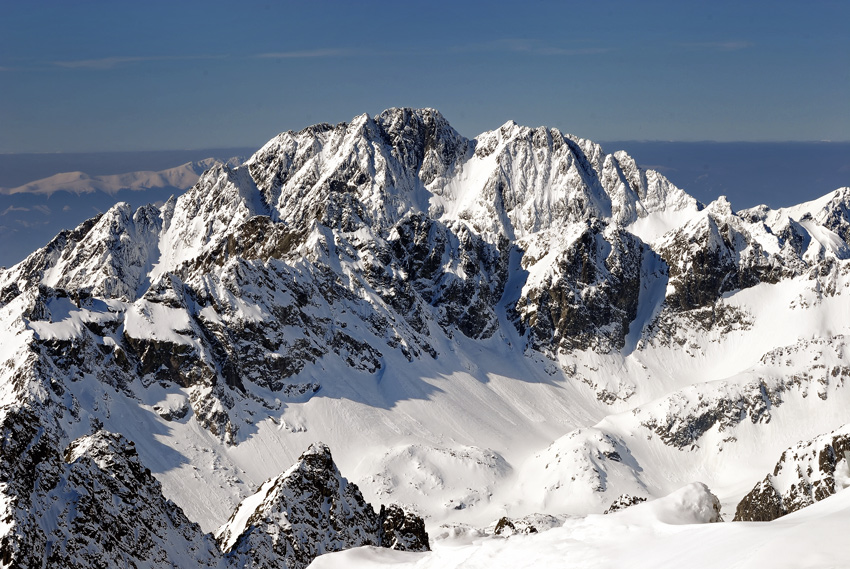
{"type": "Point", "coordinates": [36, 211]}
{"type": "Point", "coordinates": [480, 328]}
{"type": "Point", "coordinates": [182, 176]}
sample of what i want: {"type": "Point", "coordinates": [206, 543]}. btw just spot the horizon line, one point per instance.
{"type": "Point", "coordinates": [257, 147]}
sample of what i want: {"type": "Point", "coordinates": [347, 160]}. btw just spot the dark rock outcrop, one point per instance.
{"type": "Point", "coordinates": [533, 523]}
{"type": "Point", "coordinates": [401, 530]}
{"type": "Point", "coordinates": [309, 510]}
{"type": "Point", "coordinates": [713, 255]}
{"type": "Point", "coordinates": [95, 505]}
{"type": "Point", "coordinates": [590, 296]}
{"type": "Point", "coordinates": [622, 502]}
{"type": "Point", "coordinates": [805, 473]}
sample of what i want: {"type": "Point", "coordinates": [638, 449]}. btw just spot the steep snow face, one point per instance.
{"type": "Point", "coordinates": [370, 172]}
{"type": "Point", "coordinates": [108, 256]}
{"type": "Point", "coordinates": [201, 218]}
{"type": "Point", "coordinates": [486, 328]}
{"type": "Point", "coordinates": [520, 181]}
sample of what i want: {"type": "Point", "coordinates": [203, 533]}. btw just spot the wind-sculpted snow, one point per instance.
{"type": "Point", "coordinates": [589, 467]}
{"type": "Point", "coordinates": [441, 310]}
{"type": "Point", "coordinates": [438, 478]}
{"type": "Point", "coordinates": [580, 471]}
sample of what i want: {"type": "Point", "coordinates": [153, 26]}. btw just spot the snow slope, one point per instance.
{"type": "Point", "coordinates": [510, 325]}
{"type": "Point", "coordinates": [183, 176]}
{"type": "Point", "coordinates": [659, 534]}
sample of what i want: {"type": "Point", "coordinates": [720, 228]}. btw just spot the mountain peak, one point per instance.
{"type": "Point", "coordinates": [308, 510]}
{"type": "Point", "coordinates": [361, 283]}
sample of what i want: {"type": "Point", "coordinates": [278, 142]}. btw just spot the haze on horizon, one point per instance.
{"type": "Point", "coordinates": [98, 76]}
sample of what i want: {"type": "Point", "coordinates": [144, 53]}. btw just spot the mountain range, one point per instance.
{"type": "Point", "coordinates": [514, 328]}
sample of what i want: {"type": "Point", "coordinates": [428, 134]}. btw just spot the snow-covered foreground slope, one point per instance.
{"type": "Point", "coordinates": [511, 325]}
{"type": "Point", "coordinates": [662, 534]}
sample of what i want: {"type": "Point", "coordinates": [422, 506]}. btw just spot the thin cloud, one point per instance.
{"type": "Point", "coordinates": [310, 53]}
{"type": "Point", "coordinates": [731, 45]}
{"type": "Point", "coordinates": [12, 208]}
{"type": "Point", "coordinates": [30, 224]}
{"type": "Point", "coordinates": [43, 209]}
{"type": "Point", "coordinates": [532, 47]}
{"type": "Point", "coordinates": [113, 62]}
{"type": "Point", "coordinates": [512, 45]}
{"type": "Point", "coordinates": [529, 46]}
{"type": "Point", "coordinates": [578, 51]}
{"type": "Point", "coordinates": [120, 61]}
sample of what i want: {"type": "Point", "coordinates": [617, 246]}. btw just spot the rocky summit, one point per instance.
{"type": "Point", "coordinates": [518, 324]}
{"type": "Point", "coordinates": [805, 473]}
{"type": "Point", "coordinates": [310, 510]}
{"type": "Point", "coordinates": [98, 506]}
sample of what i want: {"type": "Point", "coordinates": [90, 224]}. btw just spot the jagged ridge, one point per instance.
{"type": "Point", "coordinates": [395, 235]}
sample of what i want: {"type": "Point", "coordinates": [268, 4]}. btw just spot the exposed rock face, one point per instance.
{"type": "Point", "coordinates": [310, 510]}
{"type": "Point", "coordinates": [35, 462]}
{"type": "Point", "coordinates": [401, 530]}
{"type": "Point", "coordinates": [805, 473]}
{"type": "Point", "coordinates": [762, 504]}
{"type": "Point", "coordinates": [96, 506]}
{"type": "Point", "coordinates": [622, 502]}
{"type": "Point", "coordinates": [116, 513]}
{"type": "Point", "coordinates": [681, 422]}
{"type": "Point", "coordinates": [358, 239]}
{"type": "Point", "coordinates": [589, 294]}
{"type": "Point", "coordinates": [350, 246]}
{"type": "Point", "coordinates": [714, 254]}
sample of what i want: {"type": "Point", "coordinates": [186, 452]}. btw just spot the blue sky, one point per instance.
{"type": "Point", "coordinates": [94, 76]}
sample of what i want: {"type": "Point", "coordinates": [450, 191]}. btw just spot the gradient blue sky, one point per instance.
{"type": "Point", "coordinates": [93, 76]}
